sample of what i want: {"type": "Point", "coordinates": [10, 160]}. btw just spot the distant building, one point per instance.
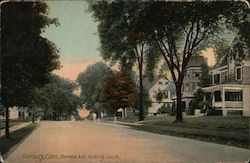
{"type": "Point", "coordinates": [159, 84]}
{"type": "Point", "coordinates": [230, 87]}
{"type": "Point", "coordinates": [18, 113]}
{"type": "Point", "coordinates": [191, 80]}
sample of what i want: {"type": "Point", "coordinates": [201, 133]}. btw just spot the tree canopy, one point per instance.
{"type": "Point", "coordinates": [120, 91]}
{"type": "Point", "coordinates": [27, 58]}
{"type": "Point", "coordinates": [58, 98]}
{"type": "Point", "coordinates": [91, 82]}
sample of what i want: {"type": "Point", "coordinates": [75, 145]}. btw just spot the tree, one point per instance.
{"type": "Point", "coordinates": [26, 57]}
{"type": "Point", "coordinates": [57, 98]}
{"type": "Point", "coordinates": [159, 96]}
{"type": "Point", "coordinates": [91, 82]}
{"type": "Point", "coordinates": [181, 32]}
{"type": "Point", "coordinates": [119, 40]}
{"type": "Point", "coordinates": [120, 91]}
{"type": "Point", "coordinates": [205, 79]}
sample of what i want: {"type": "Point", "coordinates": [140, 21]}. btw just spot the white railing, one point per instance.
{"type": "Point", "coordinates": [233, 104]}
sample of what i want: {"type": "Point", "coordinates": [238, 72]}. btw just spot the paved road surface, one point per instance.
{"type": "Point", "coordinates": [97, 142]}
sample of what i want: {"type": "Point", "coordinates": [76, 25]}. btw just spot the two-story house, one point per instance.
{"type": "Point", "coordinates": [230, 87]}
{"type": "Point", "coordinates": [159, 84]}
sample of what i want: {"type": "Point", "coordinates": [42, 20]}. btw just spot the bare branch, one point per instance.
{"type": "Point", "coordinates": [166, 59]}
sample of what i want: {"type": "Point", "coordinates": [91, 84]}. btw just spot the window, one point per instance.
{"type": "Point", "coordinates": [233, 96]}
{"type": "Point", "coordinates": [160, 82]}
{"type": "Point", "coordinates": [217, 96]}
{"type": "Point", "coordinates": [238, 73]}
{"type": "Point", "coordinates": [165, 94]}
{"type": "Point", "coordinates": [217, 79]}
{"type": "Point", "coordinates": [224, 76]}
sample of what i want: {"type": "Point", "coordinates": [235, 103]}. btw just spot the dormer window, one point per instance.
{"type": "Point", "coordinates": [238, 73]}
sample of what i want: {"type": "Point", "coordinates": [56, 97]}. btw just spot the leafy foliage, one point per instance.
{"type": "Point", "coordinates": [205, 79]}
{"type": "Point", "coordinates": [92, 82]}
{"type": "Point", "coordinates": [120, 91]}
{"type": "Point", "coordinates": [159, 96]}
{"type": "Point", "coordinates": [57, 97]}
{"type": "Point", "coordinates": [26, 57]}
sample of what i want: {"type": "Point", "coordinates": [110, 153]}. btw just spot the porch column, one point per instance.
{"type": "Point", "coordinates": [213, 98]}
{"type": "Point", "coordinates": [223, 100]}
{"type": "Point", "coordinates": [125, 112]}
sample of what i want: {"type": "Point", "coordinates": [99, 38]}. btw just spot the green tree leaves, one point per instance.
{"type": "Point", "coordinates": [91, 82]}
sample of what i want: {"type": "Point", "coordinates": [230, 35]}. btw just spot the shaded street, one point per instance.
{"type": "Point", "coordinates": [88, 142]}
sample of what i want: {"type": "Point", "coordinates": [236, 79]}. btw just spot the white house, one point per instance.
{"type": "Point", "coordinates": [159, 84]}
{"type": "Point", "coordinates": [230, 89]}
{"type": "Point", "coordinates": [17, 113]}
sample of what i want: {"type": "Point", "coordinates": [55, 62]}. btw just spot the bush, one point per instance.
{"type": "Point", "coordinates": [213, 112]}
{"type": "Point", "coordinates": [207, 105]}
{"type": "Point", "coordinates": [163, 110]}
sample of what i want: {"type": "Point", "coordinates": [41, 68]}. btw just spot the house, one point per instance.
{"type": "Point", "coordinates": [230, 87]}
{"type": "Point", "coordinates": [191, 80]}
{"type": "Point", "coordinates": [159, 84]}
{"type": "Point", "coordinates": [17, 113]}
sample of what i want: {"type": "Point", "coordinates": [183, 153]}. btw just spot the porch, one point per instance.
{"type": "Point", "coordinates": [225, 97]}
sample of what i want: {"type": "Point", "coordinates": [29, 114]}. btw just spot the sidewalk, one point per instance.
{"type": "Point", "coordinates": [124, 123]}
{"type": "Point", "coordinates": [14, 128]}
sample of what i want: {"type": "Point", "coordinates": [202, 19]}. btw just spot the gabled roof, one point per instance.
{"type": "Point", "coordinates": [147, 84]}
{"type": "Point", "coordinates": [222, 62]}
{"type": "Point", "coordinates": [170, 87]}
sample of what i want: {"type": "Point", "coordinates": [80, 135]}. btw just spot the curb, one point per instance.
{"type": "Point", "coordinates": [12, 149]}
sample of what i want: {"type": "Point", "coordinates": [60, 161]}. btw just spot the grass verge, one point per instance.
{"type": "Point", "coordinates": [12, 123]}
{"type": "Point", "coordinates": [15, 138]}
{"type": "Point", "coordinates": [232, 131]}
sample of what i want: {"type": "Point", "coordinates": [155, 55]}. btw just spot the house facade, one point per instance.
{"type": "Point", "coordinates": [166, 87]}
{"type": "Point", "coordinates": [191, 80]}
{"type": "Point", "coordinates": [17, 113]}
{"type": "Point", "coordinates": [230, 87]}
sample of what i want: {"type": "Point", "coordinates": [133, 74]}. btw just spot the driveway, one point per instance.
{"type": "Point", "coordinates": [80, 142]}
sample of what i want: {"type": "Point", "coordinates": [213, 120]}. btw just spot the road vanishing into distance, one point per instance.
{"type": "Point", "coordinates": [98, 142]}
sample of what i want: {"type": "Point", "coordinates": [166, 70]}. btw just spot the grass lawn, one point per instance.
{"type": "Point", "coordinates": [224, 130]}
{"type": "Point", "coordinates": [12, 123]}
{"type": "Point", "coordinates": [16, 137]}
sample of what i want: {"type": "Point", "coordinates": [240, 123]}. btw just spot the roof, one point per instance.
{"type": "Point", "coordinates": [147, 84]}
{"type": "Point", "coordinates": [196, 61]}
{"type": "Point", "coordinates": [222, 62]}
{"type": "Point", "coordinates": [170, 87]}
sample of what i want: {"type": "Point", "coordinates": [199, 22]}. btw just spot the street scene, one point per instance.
{"type": "Point", "coordinates": [125, 81]}
{"type": "Point", "coordinates": [102, 142]}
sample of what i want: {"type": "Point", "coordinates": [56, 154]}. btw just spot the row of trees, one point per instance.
{"type": "Point", "coordinates": [27, 60]}
{"type": "Point", "coordinates": [104, 88]}
{"type": "Point", "coordinates": [144, 32]}
{"type": "Point", "coordinates": [56, 99]}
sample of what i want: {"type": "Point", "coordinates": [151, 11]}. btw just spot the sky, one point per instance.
{"type": "Point", "coordinates": [77, 38]}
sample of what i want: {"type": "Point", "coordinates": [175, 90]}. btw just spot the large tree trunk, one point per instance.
{"type": "Point", "coordinates": [7, 126]}
{"type": "Point", "coordinates": [179, 104]}
{"type": "Point", "coordinates": [33, 117]}
{"type": "Point", "coordinates": [141, 114]}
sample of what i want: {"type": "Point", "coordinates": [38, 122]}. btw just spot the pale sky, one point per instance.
{"type": "Point", "coordinates": [77, 37]}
